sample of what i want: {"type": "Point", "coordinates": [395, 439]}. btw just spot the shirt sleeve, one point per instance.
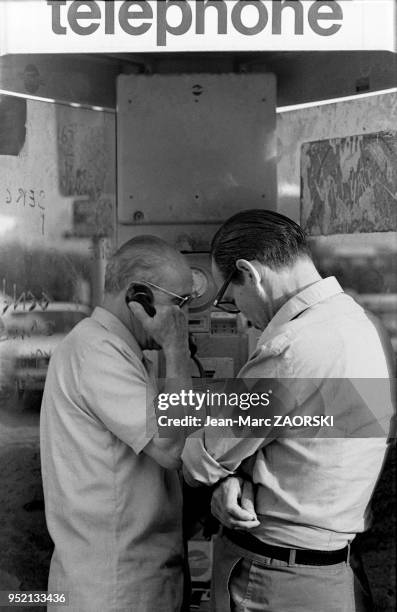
{"type": "Point", "coordinates": [209, 458]}
{"type": "Point", "coordinates": [117, 390]}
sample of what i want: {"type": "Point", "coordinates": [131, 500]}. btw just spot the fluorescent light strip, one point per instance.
{"type": "Point", "coordinates": [16, 94]}
{"type": "Point", "coordinates": [293, 107]}
{"type": "Point", "coordinates": [280, 109]}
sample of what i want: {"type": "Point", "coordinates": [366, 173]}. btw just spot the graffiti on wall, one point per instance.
{"type": "Point", "coordinates": [349, 184]}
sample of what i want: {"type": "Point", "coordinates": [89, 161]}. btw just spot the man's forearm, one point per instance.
{"type": "Point", "coordinates": [177, 369]}
{"type": "Point", "coordinates": [177, 361]}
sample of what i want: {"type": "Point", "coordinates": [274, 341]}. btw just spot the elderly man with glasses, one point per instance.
{"type": "Point", "coordinates": [311, 493]}
{"type": "Point", "coordinates": [112, 491]}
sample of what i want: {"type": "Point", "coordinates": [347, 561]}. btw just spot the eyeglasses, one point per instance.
{"type": "Point", "coordinates": [226, 305]}
{"type": "Point", "coordinates": [183, 300]}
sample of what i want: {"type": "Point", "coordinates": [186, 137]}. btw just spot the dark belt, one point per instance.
{"type": "Point", "coordinates": [302, 557]}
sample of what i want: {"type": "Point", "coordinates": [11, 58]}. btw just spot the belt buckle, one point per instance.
{"type": "Point", "coordinates": [292, 556]}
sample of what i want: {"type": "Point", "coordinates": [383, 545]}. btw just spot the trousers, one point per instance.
{"type": "Point", "coordinates": [246, 582]}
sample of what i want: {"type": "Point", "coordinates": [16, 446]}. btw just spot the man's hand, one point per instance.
{"type": "Point", "coordinates": [233, 504]}
{"type": "Point", "coordinates": [168, 328]}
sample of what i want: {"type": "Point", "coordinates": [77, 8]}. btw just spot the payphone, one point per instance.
{"type": "Point", "coordinates": [221, 337]}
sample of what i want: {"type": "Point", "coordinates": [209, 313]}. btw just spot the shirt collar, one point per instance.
{"type": "Point", "coordinates": [115, 326]}
{"type": "Point", "coordinates": [319, 291]}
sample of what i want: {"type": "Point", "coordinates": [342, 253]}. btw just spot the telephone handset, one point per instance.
{"type": "Point", "coordinates": [144, 296]}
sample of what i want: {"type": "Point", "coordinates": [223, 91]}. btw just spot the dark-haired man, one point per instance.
{"type": "Point", "coordinates": [311, 494]}
{"type": "Point", "coordinates": [112, 490]}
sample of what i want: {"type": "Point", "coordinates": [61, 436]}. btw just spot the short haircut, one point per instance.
{"type": "Point", "coordinates": [141, 258]}
{"type": "Point", "coordinates": [261, 235]}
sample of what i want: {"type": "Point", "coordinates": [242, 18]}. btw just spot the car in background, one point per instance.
{"type": "Point", "coordinates": [31, 333]}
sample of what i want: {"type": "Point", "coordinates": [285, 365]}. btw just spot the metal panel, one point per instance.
{"type": "Point", "coordinates": [195, 148]}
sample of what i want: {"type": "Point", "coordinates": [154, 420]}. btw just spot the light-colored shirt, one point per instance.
{"type": "Point", "coordinates": [311, 492]}
{"type": "Point", "coordinates": [113, 513]}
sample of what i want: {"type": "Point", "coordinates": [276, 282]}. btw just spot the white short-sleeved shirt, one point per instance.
{"type": "Point", "coordinates": [113, 513]}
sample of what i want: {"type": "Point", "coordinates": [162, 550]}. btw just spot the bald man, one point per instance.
{"type": "Point", "coordinates": [112, 490]}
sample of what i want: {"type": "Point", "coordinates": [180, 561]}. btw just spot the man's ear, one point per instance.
{"type": "Point", "coordinates": [249, 270]}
